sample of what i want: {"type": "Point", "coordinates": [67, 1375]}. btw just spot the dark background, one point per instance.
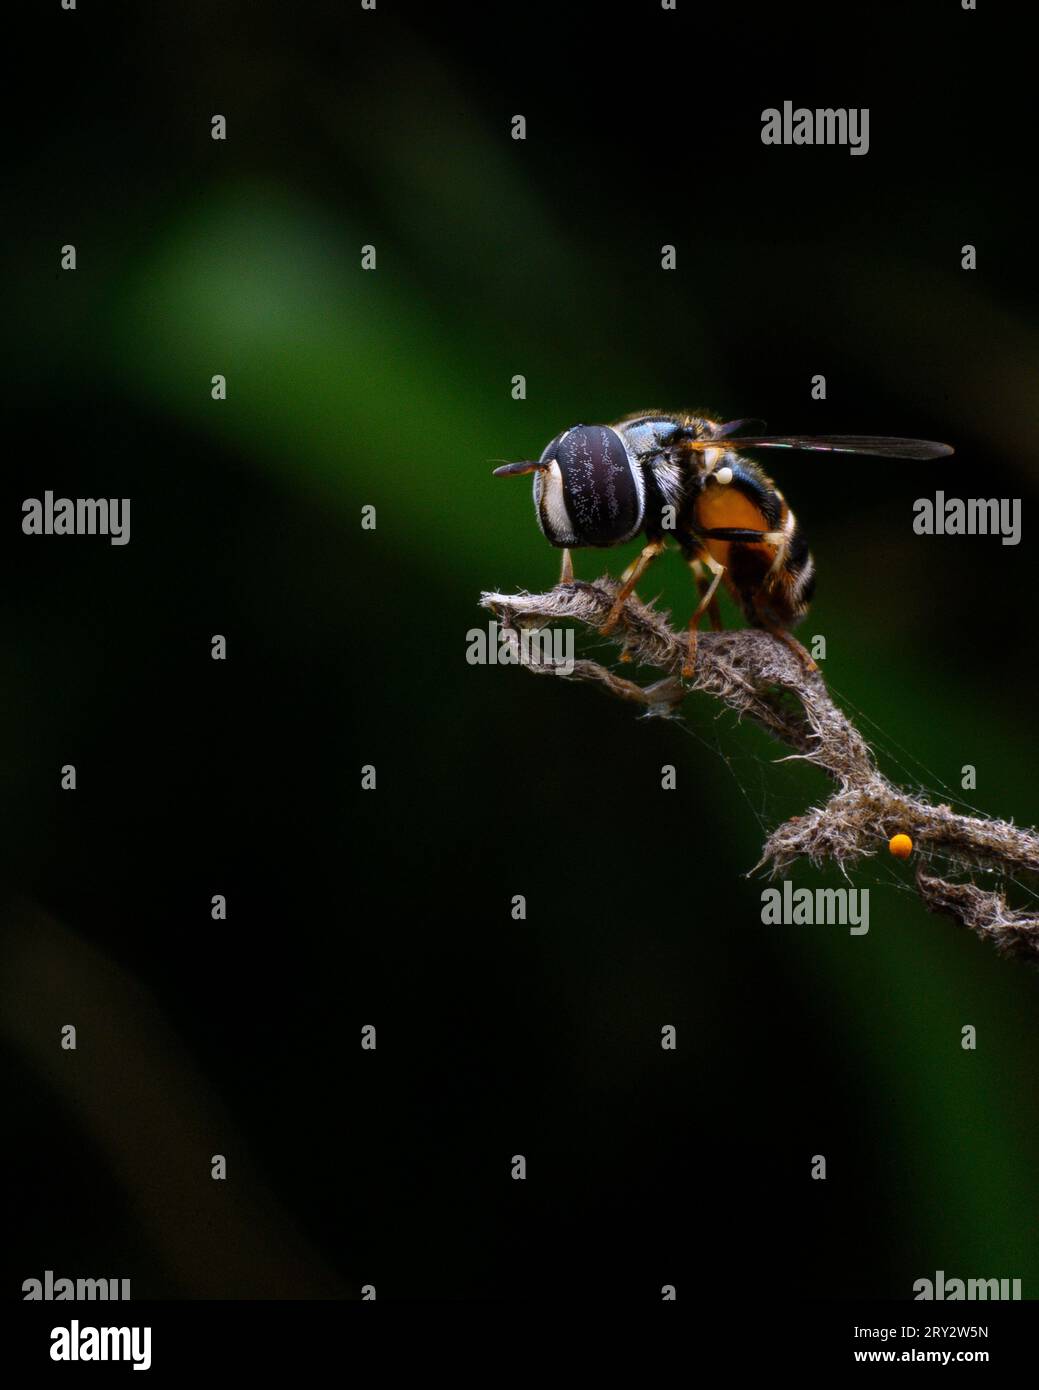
{"type": "Point", "coordinates": [346, 648]}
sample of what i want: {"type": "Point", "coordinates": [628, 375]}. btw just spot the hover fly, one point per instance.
{"type": "Point", "coordinates": [601, 485]}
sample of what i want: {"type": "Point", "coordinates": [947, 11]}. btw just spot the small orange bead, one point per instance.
{"type": "Point", "coordinates": [901, 846]}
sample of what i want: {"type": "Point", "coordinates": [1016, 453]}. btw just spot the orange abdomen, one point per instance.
{"type": "Point", "coordinates": [724, 505]}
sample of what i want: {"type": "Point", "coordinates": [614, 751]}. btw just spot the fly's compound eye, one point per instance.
{"type": "Point", "coordinates": [588, 491]}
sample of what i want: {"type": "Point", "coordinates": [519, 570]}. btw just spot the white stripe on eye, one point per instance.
{"type": "Point", "coordinates": [553, 517]}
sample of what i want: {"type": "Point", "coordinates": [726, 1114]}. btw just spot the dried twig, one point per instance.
{"type": "Point", "coordinates": [762, 680]}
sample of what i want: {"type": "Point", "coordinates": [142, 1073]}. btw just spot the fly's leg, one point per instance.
{"type": "Point", "coordinates": [706, 600]}
{"type": "Point", "coordinates": [706, 588]}
{"type": "Point", "coordinates": [629, 579]}
{"type": "Point", "coordinates": [790, 641]}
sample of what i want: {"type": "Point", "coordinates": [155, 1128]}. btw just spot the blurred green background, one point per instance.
{"type": "Point", "coordinates": [393, 388]}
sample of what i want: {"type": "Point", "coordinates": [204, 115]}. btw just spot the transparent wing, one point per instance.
{"type": "Point", "coordinates": [879, 445]}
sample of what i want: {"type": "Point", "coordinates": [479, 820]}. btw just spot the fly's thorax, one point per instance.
{"type": "Point", "coordinates": [675, 474]}
{"type": "Point", "coordinates": [669, 479]}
